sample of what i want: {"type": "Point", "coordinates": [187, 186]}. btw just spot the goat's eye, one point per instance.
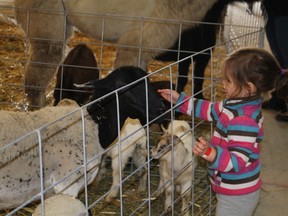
{"type": "Point", "coordinates": [162, 147]}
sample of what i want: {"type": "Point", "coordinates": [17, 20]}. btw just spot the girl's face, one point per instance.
{"type": "Point", "coordinates": [229, 87]}
{"type": "Point", "coordinates": [232, 90]}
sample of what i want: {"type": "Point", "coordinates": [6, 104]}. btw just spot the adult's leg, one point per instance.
{"type": "Point", "coordinates": [281, 28]}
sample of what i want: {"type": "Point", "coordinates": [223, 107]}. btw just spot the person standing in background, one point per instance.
{"type": "Point", "coordinates": [277, 36]}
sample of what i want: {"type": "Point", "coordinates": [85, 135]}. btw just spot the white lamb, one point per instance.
{"type": "Point", "coordinates": [133, 144]}
{"type": "Point", "coordinates": [179, 133]}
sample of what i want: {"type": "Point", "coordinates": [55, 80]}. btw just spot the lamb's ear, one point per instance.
{"type": "Point", "coordinates": [163, 129]}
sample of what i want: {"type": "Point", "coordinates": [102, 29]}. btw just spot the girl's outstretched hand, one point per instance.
{"type": "Point", "coordinates": [166, 94]}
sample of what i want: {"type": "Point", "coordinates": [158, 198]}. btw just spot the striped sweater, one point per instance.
{"type": "Point", "coordinates": [239, 130]}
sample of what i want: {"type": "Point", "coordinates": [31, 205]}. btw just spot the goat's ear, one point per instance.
{"type": "Point", "coordinates": [94, 84]}
{"type": "Point", "coordinates": [163, 129]}
{"type": "Point", "coordinates": [84, 85]}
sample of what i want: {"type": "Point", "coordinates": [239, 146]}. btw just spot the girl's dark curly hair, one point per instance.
{"type": "Point", "coordinates": [257, 66]}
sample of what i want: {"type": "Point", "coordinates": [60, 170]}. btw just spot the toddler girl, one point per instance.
{"type": "Point", "coordinates": [233, 151]}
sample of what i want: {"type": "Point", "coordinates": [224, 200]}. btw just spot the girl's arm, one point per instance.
{"type": "Point", "coordinates": [204, 109]}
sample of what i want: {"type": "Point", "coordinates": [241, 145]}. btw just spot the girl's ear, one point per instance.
{"type": "Point", "coordinates": [251, 88]}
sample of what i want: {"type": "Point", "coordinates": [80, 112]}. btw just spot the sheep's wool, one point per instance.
{"type": "Point", "coordinates": [61, 205]}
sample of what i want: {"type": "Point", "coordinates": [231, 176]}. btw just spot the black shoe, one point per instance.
{"type": "Point", "coordinates": [282, 117]}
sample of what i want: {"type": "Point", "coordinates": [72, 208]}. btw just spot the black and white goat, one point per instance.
{"type": "Point", "coordinates": [65, 136]}
{"type": "Point", "coordinates": [133, 146]}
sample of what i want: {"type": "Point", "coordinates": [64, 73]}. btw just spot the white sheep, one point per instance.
{"type": "Point", "coordinates": [60, 130]}
{"type": "Point", "coordinates": [62, 149]}
{"type": "Point", "coordinates": [180, 136]}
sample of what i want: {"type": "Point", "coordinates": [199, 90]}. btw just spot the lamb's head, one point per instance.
{"type": "Point", "coordinates": [126, 91]}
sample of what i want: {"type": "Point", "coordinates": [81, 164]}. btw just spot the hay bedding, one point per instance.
{"type": "Point", "coordinates": [11, 55]}
{"type": "Point", "coordinates": [12, 97]}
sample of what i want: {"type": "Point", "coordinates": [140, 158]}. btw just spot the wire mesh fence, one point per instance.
{"type": "Point", "coordinates": [36, 144]}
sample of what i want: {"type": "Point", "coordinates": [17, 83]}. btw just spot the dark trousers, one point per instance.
{"type": "Point", "coordinates": [277, 35]}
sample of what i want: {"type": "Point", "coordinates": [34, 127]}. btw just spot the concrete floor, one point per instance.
{"type": "Point", "coordinates": [274, 155]}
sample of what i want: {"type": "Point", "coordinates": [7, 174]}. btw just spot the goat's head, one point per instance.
{"type": "Point", "coordinates": [125, 91]}
{"type": "Point", "coordinates": [163, 146]}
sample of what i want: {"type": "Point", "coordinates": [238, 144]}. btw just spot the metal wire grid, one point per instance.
{"type": "Point", "coordinates": [239, 23]}
{"type": "Point", "coordinates": [206, 206]}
